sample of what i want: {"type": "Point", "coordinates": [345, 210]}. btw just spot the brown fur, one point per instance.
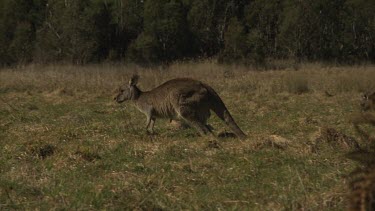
{"type": "Point", "coordinates": [180, 98]}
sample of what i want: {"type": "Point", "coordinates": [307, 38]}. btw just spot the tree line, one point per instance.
{"type": "Point", "coordinates": [162, 31]}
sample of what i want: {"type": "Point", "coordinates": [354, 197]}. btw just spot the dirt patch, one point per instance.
{"type": "Point", "coordinates": [44, 151]}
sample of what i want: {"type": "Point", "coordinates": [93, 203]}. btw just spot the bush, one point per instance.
{"type": "Point", "coordinates": [144, 50]}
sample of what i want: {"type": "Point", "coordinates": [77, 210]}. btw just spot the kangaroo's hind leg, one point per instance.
{"type": "Point", "coordinates": [189, 115]}
{"type": "Point", "coordinates": [203, 115]}
{"type": "Point", "coordinates": [202, 128]}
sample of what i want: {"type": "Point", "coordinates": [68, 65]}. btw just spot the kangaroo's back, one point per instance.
{"type": "Point", "coordinates": [173, 88]}
{"type": "Point", "coordinates": [167, 98]}
{"type": "Point", "coordinates": [200, 96]}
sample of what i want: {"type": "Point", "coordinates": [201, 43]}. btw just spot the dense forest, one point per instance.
{"type": "Point", "coordinates": [161, 31]}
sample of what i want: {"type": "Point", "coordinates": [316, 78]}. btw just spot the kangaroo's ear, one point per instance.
{"type": "Point", "coordinates": [133, 80]}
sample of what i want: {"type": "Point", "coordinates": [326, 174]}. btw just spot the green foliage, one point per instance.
{"type": "Point", "coordinates": [144, 50]}
{"type": "Point", "coordinates": [235, 42]}
{"type": "Point", "coordinates": [127, 18]}
{"type": "Point", "coordinates": [159, 31]}
{"type": "Point", "coordinates": [201, 19]}
{"type": "Point", "coordinates": [360, 29]}
{"type": "Point", "coordinates": [21, 47]}
{"type": "Point", "coordinates": [165, 22]}
{"type": "Point", "coordinates": [257, 46]}
{"type": "Point", "coordinates": [207, 19]}
{"type": "Point", "coordinates": [328, 30]}
{"type": "Point", "coordinates": [19, 20]}
{"type": "Point", "coordinates": [78, 30]}
{"type": "Point", "coordinates": [70, 29]}
{"type": "Point", "coordinates": [262, 19]}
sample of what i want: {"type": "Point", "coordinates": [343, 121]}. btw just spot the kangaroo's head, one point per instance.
{"type": "Point", "coordinates": [128, 92]}
{"type": "Point", "coordinates": [368, 102]}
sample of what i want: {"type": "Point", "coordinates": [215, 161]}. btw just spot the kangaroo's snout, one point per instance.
{"type": "Point", "coordinates": [120, 98]}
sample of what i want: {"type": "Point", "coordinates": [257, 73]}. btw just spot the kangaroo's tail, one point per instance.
{"type": "Point", "coordinates": [218, 106]}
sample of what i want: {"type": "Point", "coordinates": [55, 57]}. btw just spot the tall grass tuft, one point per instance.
{"type": "Point", "coordinates": [297, 83]}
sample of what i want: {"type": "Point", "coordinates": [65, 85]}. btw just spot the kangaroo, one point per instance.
{"type": "Point", "coordinates": [181, 98]}
{"type": "Point", "coordinates": [367, 115]}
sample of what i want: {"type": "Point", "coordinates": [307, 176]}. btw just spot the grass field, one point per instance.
{"type": "Point", "coordinates": [65, 144]}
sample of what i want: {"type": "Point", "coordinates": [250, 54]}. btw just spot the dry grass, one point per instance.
{"type": "Point", "coordinates": [106, 77]}
{"type": "Point", "coordinates": [66, 145]}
